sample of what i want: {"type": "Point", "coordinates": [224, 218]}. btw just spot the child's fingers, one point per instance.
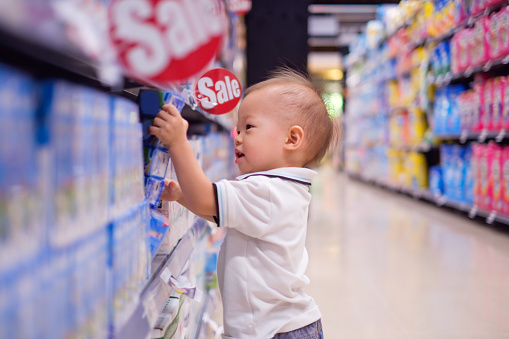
{"type": "Point", "coordinates": [152, 130]}
{"type": "Point", "coordinates": [170, 185]}
{"type": "Point", "coordinates": [164, 115]}
{"type": "Point", "coordinates": [171, 109]}
{"type": "Point", "coordinates": [158, 122]}
{"type": "Point", "coordinates": [173, 185]}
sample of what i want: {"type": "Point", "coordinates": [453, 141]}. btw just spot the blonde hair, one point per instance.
{"type": "Point", "coordinates": [303, 102]}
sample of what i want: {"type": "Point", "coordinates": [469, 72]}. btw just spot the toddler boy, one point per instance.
{"type": "Point", "coordinates": [283, 129]}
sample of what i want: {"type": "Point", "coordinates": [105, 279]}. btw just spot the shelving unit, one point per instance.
{"type": "Point", "coordinates": [144, 299]}
{"type": "Point", "coordinates": [372, 70]}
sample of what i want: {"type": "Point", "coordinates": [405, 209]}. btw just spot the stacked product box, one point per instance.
{"type": "Point", "coordinates": [156, 156]}
{"type": "Point", "coordinates": [456, 170]}
{"type": "Point", "coordinates": [408, 169]}
{"type": "Point", "coordinates": [130, 263]}
{"type": "Point", "coordinates": [20, 176]}
{"type": "Point", "coordinates": [126, 163]}
{"type": "Point", "coordinates": [157, 164]}
{"type": "Point", "coordinates": [129, 249]}
{"type": "Point", "coordinates": [77, 121]}
{"type": "Point", "coordinates": [59, 159]}
{"type": "Point", "coordinates": [446, 113]}
{"type": "Point", "coordinates": [487, 40]}
{"type": "Point", "coordinates": [491, 177]}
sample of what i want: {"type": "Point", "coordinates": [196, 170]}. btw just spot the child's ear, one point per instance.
{"type": "Point", "coordinates": [294, 138]}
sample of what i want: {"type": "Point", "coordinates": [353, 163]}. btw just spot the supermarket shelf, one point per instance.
{"type": "Point", "coordinates": [155, 294]}
{"type": "Point", "coordinates": [421, 148]}
{"type": "Point", "coordinates": [43, 60]}
{"type": "Point", "coordinates": [468, 22]}
{"type": "Point", "coordinates": [439, 200]}
{"type": "Point", "coordinates": [499, 65]}
{"type": "Point", "coordinates": [481, 137]}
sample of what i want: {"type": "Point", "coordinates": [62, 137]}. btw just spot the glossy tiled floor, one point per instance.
{"type": "Point", "coordinates": [383, 265]}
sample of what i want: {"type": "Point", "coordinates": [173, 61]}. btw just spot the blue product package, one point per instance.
{"type": "Point", "coordinates": [454, 119]}
{"type": "Point", "coordinates": [153, 189]}
{"type": "Point", "coordinates": [436, 184]}
{"type": "Point", "coordinates": [151, 102]}
{"type": "Point", "coordinates": [468, 179]}
{"type": "Point", "coordinates": [158, 229]}
{"type": "Point", "coordinates": [156, 162]}
{"type": "Point", "coordinates": [21, 221]}
{"type": "Point", "coordinates": [457, 172]}
{"type": "Point", "coordinates": [447, 170]}
{"type": "Point", "coordinates": [439, 112]}
{"type": "Point", "coordinates": [89, 287]}
{"type": "Point", "coordinates": [60, 119]}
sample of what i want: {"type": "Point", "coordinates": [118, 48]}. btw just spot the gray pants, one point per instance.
{"type": "Point", "coordinates": [311, 331]}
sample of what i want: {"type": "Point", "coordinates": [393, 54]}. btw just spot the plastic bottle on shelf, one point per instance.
{"type": "Point", "coordinates": [505, 181]}
{"type": "Point", "coordinates": [492, 28]}
{"type": "Point", "coordinates": [497, 106]}
{"type": "Point", "coordinates": [496, 177]}
{"type": "Point", "coordinates": [486, 160]}
{"type": "Point", "coordinates": [503, 31]}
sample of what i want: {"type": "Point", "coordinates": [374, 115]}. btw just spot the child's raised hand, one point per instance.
{"type": "Point", "coordinates": [171, 191]}
{"type": "Point", "coordinates": [169, 126]}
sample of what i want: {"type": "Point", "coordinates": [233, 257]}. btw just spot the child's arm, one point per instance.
{"type": "Point", "coordinates": [197, 190]}
{"type": "Point", "coordinates": [172, 192]}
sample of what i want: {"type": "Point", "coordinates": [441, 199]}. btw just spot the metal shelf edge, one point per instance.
{"type": "Point", "coordinates": [437, 199]}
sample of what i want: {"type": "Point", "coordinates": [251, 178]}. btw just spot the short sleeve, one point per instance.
{"type": "Point", "coordinates": [244, 205]}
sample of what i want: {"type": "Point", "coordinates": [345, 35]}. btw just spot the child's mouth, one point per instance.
{"type": "Point", "coordinates": [238, 155]}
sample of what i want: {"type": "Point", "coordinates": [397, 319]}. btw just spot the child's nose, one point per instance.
{"type": "Point", "coordinates": [237, 141]}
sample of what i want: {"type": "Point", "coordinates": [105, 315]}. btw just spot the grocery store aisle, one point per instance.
{"type": "Point", "coordinates": [383, 265]}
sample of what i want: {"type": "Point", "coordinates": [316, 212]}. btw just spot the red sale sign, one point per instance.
{"type": "Point", "coordinates": [218, 91]}
{"type": "Point", "coordinates": [164, 41]}
{"type": "Point", "coordinates": [239, 7]}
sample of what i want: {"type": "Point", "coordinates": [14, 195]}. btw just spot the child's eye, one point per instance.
{"type": "Point", "coordinates": [248, 126]}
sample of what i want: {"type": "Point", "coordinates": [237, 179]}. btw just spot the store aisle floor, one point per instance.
{"type": "Point", "coordinates": [383, 265]}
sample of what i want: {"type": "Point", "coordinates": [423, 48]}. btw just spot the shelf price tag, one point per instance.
{"type": "Point", "coordinates": [165, 41]}
{"type": "Point", "coordinates": [464, 136]}
{"type": "Point", "coordinates": [181, 285]}
{"type": "Point", "coordinates": [483, 135]}
{"type": "Point", "coordinates": [500, 136]}
{"type": "Point", "coordinates": [218, 91]}
{"type": "Point", "coordinates": [491, 217]}
{"type": "Point", "coordinates": [473, 212]}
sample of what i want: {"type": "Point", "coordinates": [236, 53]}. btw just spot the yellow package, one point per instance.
{"type": "Point", "coordinates": [394, 165]}
{"type": "Point", "coordinates": [394, 94]}
{"type": "Point", "coordinates": [449, 13]}
{"type": "Point", "coordinates": [427, 10]}
{"type": "Point", "coordinates": [415, 84]}
{"type": "Point", "coordinates": [417, 171]}
{"type": "Point", "coordinates": [418, 126]}
{"type": "Point", "coordinates": [418, 56]}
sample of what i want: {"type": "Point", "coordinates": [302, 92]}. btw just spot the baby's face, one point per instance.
{"type": "Point", "coordinates": [261, 135]}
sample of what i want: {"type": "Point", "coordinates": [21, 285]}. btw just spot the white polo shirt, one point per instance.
{"type": "Point", "coordinates": [263, 259]}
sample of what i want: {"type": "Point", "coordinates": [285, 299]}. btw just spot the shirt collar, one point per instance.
{"type": "Point", "coordinates": [298, 174]}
